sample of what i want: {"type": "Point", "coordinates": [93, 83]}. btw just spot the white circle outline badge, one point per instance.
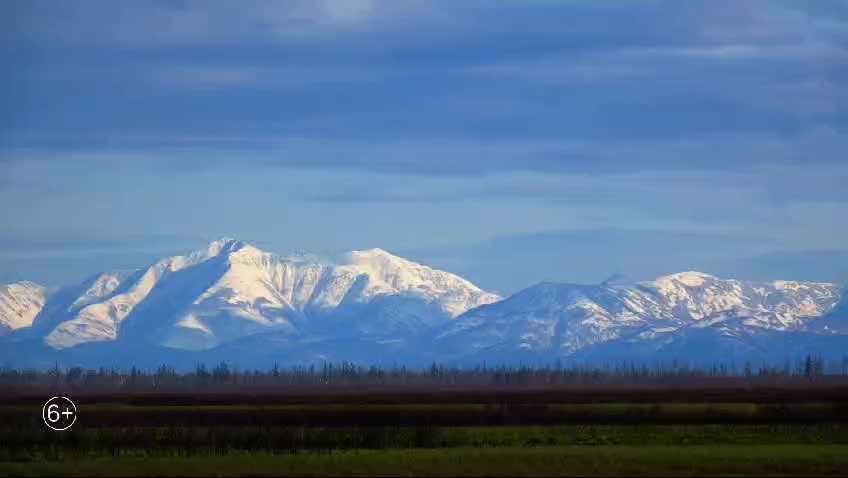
{"type": "Point", "coordinates": [44, 413]}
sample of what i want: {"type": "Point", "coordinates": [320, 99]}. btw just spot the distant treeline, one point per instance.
{"type": "Point", "coordinates": [346, 373]}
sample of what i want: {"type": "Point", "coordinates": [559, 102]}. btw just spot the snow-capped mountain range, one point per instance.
{"type": "Point", "coordinates": [641, 321]}
{"type": "Point", "coordinates": [232, 301]}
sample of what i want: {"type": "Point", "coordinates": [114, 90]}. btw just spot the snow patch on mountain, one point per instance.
{"type": "Point", "coordinates": [20, 303]}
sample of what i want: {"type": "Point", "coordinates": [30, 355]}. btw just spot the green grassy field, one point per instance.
{"type": "Point", "coordinates": [35, 444]}
{"type": "Point", "coordinates": [699, 460]}
{"type": "Point", "coordinates": [518, 438]}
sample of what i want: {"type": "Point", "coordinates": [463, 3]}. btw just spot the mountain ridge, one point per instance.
{"type": "Point", "coordinates": [231, 288]}
{"type": "Point", "coordinates": [233, 300]}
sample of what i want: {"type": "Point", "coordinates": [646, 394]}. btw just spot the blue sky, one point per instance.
{"type": "Point", "coordinates": [510, 141]}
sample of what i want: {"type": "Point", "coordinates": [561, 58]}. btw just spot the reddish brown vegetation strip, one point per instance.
{"type": "Point", "coordinates": [794, 391]}
{"type": "Point", "coordinates": [355, 415]}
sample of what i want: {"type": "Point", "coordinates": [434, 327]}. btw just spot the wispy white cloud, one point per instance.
{"type": "Point", "coordinates": [694, 199]}
{"type": "Point", "coordinates": [191, 22]}
{"type": "Point", "coordinates": [220, 77]}
{"type": "Point", "coordinates": [459, 157]}
{"type": "Point", "coordinates": [216, 22]}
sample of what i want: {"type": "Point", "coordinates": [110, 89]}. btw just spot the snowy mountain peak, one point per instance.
{"type": "Point", "coordinates": [689, 279]}
{"type": "Point", "coordinates": [248, 254]}
{"type": "Point", "coordinates": [220, 248]}
{"type": "Point", "coordinates": [401, 273]}
{"type": "Point", "coordinates": [388, 273]}
{"type": "Point", "coordinates": [784, 285]}
{"type": "Point", "coordinates": [224, 245]}
{"type": "Point", "coordinates": [23, 286]}
{"type": "Point", "coordinates": [373, 254]}
{"type": "Point", "coordinates": [238, 251]}
{"type": "Point", "coordinates": [230, 289]}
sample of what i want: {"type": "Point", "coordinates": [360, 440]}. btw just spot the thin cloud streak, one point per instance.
{"type": "Point", "coordinates": [456, 157]}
